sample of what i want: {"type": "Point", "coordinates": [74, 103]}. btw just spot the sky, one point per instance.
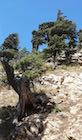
{"type": "Point", "coordinates": [24, 16]}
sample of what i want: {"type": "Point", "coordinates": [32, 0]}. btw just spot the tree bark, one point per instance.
{"type": "Point", "coordinates": [22, 86]}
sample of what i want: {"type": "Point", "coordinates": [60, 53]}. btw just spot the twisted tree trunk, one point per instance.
{"type": "Point", "coordinates": [22, 86]}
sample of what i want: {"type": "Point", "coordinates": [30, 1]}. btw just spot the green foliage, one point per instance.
{"type": "Point", "coordinates": [9, 54]}
{"type": "Point", "coordinates": [59, 15]}
{"type": "Point", "coordinates": [10, 47]}
{"type": "Point", "coordinates": [11, 42]}
{"type": "Point", "coordinates": [54, 35]}
{"type": "Point", "coordinates": [21, 53]}
{"type": "Point", "coordinates": [80, 38]}
{"type": "Point", "coordinates": [32, 65]}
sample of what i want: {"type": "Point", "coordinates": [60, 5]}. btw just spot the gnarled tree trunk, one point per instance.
{"type": "Point", "coordinates": [22, 86]}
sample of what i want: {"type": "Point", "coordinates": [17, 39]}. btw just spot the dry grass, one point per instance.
{"type": "Point", "coordinates": [71, 68]}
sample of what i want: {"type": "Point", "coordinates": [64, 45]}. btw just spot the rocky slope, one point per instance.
{"type": "Point", "coordinates": [63, 87]}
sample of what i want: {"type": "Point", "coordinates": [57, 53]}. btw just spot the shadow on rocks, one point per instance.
{"type": "Point", "coordinates": [6, 119]}
{"type": "Point", "coordinates": [32, 126]}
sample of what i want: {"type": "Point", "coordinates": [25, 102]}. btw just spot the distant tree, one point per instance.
{"type": "Point", "coordinates": [54, 35]}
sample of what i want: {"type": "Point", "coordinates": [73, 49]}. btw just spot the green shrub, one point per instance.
{"type": "Point", "coordinates": [32, 65]}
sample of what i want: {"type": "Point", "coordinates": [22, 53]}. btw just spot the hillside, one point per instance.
{"type": "Point", "coordinates": [64, 87]}
{"type": "Point", "coordinates": [41, 89]}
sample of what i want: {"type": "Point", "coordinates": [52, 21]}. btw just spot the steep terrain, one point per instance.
{"type": "Point", "coordinates": [64, 87]}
